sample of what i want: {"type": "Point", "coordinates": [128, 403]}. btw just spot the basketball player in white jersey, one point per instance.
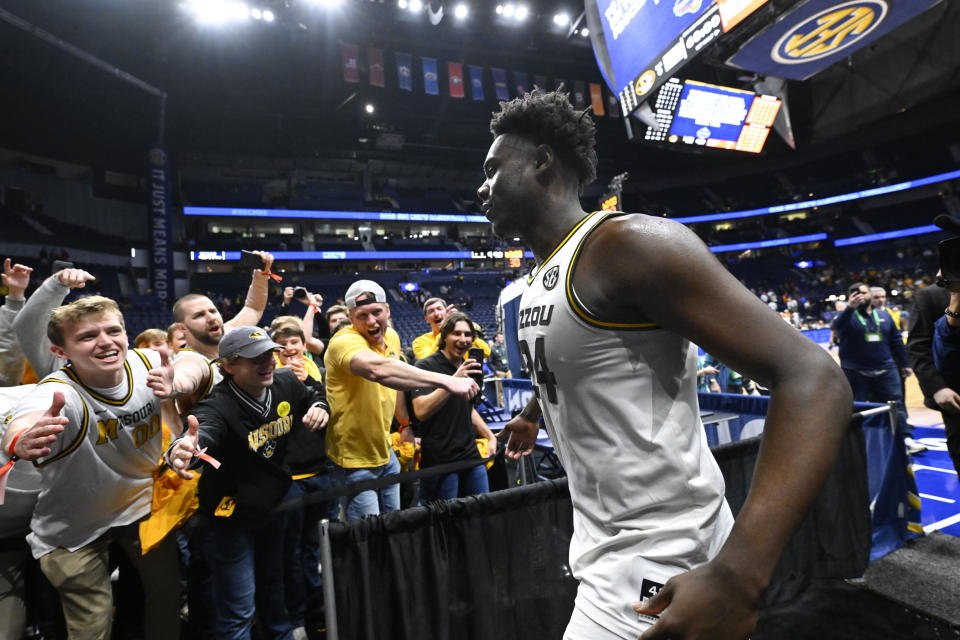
{"type": "Point", "coordinates": [203, 327]}
{"type": "Point", "coordinates": [93, 430]}
{"type": "Point", "coordinates": [605, 328]}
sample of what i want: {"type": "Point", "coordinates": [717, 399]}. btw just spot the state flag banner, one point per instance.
{"type": "Point", "coordinates": [455, 76]}
{"type": "Point", "coordinates": [596, 99]}
{"type": "Point", "coordinates": [404, 71]}
{"type": "Point", "coordinates": [540, 82]}
{"type": "Point", "coordinates": [351, 62]}
{"type": "Point", "coordinates": [579, 95]}
{"type": "Point", "coordinates": [375, 67]}
{"type": "Point", "coordinates": [500, 83]}
{"type": "Point", "coordinates": [476, 82]}
{"type": "Point", "coordinates": [520, 80]}
{"type": "Point", "coordinates": [613, 105]}
{"type": "Point", "coordinates": [431, 84]}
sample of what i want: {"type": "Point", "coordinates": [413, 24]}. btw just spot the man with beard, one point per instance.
{"type": "Point", "coordinates": [203, 327]}
{"type": "Point", "coordinates": [606, 326]}
{"type": "Point", "coordinates": [434, 311]}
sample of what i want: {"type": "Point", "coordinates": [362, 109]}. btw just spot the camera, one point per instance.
{"type": "Point", "coordinates": [300, 293]}
{"type": "Point", "coordinates": [949, 262]}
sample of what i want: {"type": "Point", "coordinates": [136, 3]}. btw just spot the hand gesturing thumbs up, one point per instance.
{"type": "Point", "coordinates": [34, 441]}
{"type": "Point", "coordinates": [161, 380]}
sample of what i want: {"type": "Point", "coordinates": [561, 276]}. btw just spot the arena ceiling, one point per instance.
{"type": "Point", "coordinates": [277, 90]}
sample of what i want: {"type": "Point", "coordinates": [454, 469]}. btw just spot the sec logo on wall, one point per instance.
{"type": "Point", "coordinates": [829, 31]}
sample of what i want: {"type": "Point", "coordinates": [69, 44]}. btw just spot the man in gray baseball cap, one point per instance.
{"type": "Point", "coordinates": [246, 342]}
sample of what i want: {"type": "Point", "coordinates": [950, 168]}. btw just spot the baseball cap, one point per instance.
{"type": "Point", "coordinates": [364, 286]}
{"type": "Point", "coordinates": [246, 342]}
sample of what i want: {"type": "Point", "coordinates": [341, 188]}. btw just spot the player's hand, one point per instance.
{"type": "Point", "coordinates": [521, 435]}
{"type": "Point", "coordinates": [465, 388]}
{"type": "Point", "coordinates": [948, 400]}
{"type": "Point", "coordinates": [181, 455]}
{"type": "Point", "coordinates": [287, 295]}
{"type": "Point", "coordinates": [35, 441]}
{"type": "Point", "coordinates": [161, 380]}
{"type": "Point", "coordinates": [16, 277]}
{"type": "Point", "coordinates": [709, 603]}
{"type": "Point", "coordinates": [316, 418]}
{"type": "Point", "coordinates": [73, 278]}
{"type": "Point", "coordinates": [267, 262]}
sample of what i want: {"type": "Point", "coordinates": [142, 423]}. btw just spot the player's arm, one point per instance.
{"type": "Point", "coordinates": [257, 294]}
{"type": "Point", "coordinates": [674, 281]}
{"type": "Point", "coordinates": [522, 430]}
{"type": "Point", "coordinates": [401, 376]}
{"type": "Point", "coordinates": [190, 376]}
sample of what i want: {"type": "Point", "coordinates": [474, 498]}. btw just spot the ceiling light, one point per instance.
{"type": "Point", "coordinates": [561, 19]}
{"type": "Point", "coordinates": [416, 5]}
{"type": "Point", "coordinates": [499, 9]}
{"type": "Point", "coordinates": [256, 13]}
{"type": "Point", "coordinates": [368, 108]}
{"type": "Point", "coordinates": [214, 12]}
{"type": "Point", "coordinates": [585, 32]}
{"type": "Point", "coordinates": [268, 15]}
{"type": "Point", "coordinates": [461, 11]}
{"type": "Point", "coordinates": [508, 10]}
{"type": "Point", "coordinates": [402, 4]}
{"type": "Point", "coordinates": [521, 13]}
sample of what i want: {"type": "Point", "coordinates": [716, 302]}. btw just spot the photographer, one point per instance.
{"type": "Point", "coordinates": [931, 332]}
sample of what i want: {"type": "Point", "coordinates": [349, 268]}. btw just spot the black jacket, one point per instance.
{"type": "Point", "coordinates": [251, 441]}
{"type": "Point", "coordinates": [928, 306]}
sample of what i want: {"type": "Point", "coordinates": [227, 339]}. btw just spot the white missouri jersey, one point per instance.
{"type": "Point", "coordinates": [99, 473]}
{"type": "Point", "coordinates": [620, 404]}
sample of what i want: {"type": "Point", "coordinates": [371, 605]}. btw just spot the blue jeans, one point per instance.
{"type": "Point", "coordinates": [368, 503]}
{"type": "Point", "coordinates": [247, 566]}
{"type": "Point", "coordinates": [882, 388]}
{"type": "Point", "coordinates": [468, 482]}
{"type": "Point", "coordinates": [301, 554]}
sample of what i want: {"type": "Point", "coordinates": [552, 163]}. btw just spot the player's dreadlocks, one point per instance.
{"type": "Point", "coordinates": [549, 118]}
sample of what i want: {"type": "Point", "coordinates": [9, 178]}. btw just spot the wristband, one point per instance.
{"type": "Point", "coordinates": [274, 276]}
{"type": "Point", "coordinates": [404, 425]}
{"type": "Point", "coordinates": [952, 314]}
{"type": "Point", "coordinates": [13, 443]}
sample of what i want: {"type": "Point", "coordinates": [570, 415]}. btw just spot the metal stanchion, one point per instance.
{"type": "Point", "coordinates": [892, 407]}
{"type": "Point", "coordinates": [329, 599]}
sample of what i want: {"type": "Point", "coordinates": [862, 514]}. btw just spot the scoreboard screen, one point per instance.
{"type": "Point", "coordinates": [707, 115]}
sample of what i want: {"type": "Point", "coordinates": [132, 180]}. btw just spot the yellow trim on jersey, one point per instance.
{"type": "Point", "coordinates": [210, 362]}
{"type": "Point", "coordinates": [116, 403]}
{"type": "Point", "coordinates": [533, 274]}
{"type": "Point", "coordinates": [146, 362]}
{"type": "Point", "coordinates": [575, 304]}
{"type": "Point", "coordinates": [83, 429]}
{"type": "Point", "coordinates": [301, 476]}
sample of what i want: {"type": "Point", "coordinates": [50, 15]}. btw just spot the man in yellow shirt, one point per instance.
{"type": "Point", "coordinates": [434, 311]}
{"type": "Point", "coordinates": [364, 371]}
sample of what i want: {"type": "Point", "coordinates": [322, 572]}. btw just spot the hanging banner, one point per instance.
{"type": "Point", "coordinates": [404, 71]}
{"type": "Point", "coordinates": [520, 82]}
{"type": "Point", "coordinates": [540, 82]}
{"type": "Point", "coordinates": [500, 84]}
{"type": "Point", "coordinates": [431, 85]}
{"type": "Point", "coordinates": [375, 67]}
{"type": "Point", "coordinates": [351, 62]}
{"type": "Point", "coordinates": [579, 95]}
{"type": "Point", "coordinates": [476, 82]}
{"type": "Point", "coordinates": [596, 99]}
{"type": "Point", "coordinates": [613, 106]}
{"type": "Point", "coordinates": [455, 76]}
{"type": "Point", "coordinates": [161, 226]}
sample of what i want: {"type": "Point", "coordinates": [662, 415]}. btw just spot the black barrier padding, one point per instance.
{"type": "Point", "coordinates": [834, 539]}
{"type": "Point", "coordinates": [494, 566]}
{"type": "Point", "coordinates": [488, 567]}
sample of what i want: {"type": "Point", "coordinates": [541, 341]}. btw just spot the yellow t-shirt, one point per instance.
{"type": "Point", "coordinates": [360, 410]}
{"type": "Point", "coordinates": [426, 345]}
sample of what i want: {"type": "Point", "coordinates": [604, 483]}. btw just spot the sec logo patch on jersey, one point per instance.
{"type": "Point", "coordinates": [551, 277]}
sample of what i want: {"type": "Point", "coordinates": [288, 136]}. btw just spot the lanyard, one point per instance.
{"type": "Point", "coordinates": [871, 336]}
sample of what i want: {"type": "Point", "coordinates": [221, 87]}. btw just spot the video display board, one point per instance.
{"type": "Point", "coordinates": [707, 115]}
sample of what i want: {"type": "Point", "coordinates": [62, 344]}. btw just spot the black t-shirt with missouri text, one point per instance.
{"type": "Point", "coordinates": [448, 435]}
